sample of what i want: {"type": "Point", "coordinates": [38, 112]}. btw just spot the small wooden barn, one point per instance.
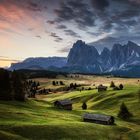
{"type": "Point", "coordinates": [102, 88]}
{"type": "Point", "coordinates": [98, 118]}
{"type": "Point", "coordinates": [63, 104]}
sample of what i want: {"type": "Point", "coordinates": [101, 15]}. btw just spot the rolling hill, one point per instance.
{"type": "Point", "coordinates": [37, 119]}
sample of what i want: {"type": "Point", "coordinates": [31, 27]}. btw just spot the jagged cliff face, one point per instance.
{"type": "Point", "coordinates": [82, 54]}
{"type": "Point", "coordinates": [119, 57]}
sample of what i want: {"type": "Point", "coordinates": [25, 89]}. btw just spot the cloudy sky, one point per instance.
{"type": "Point", "coordinates": [33, 28]}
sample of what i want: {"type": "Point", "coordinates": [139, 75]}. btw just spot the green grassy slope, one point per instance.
{"type": "Point", "coordinates": [39, 120]}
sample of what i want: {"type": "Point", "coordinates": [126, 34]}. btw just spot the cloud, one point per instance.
{"type": "Point", "coordinates": [5, 58]}
{"type": "Point", "coordinates": [75, 11]}
{"type": "Point", "coordinates": [34, 6]}
{"type": "Point", "coordinates": [65, 50]}
{"type": "Point", "coordinates": [61, 27]}
{"type": "Point", "coordinates": [51, 22]}
{"type": "Point", "coordinates": [38, 36]}
{"type": "Point", "coordinates": [72, 33]}
{"type": "Point", "coordinates": [57, 38]}
{"type": "Point", "coordinates": [100, 4]}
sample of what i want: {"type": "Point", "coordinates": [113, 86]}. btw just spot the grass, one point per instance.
{"type": "Point", "coordinates": [37, 119]}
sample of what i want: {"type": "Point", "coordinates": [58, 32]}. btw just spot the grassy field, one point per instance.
{"type": "Point", "coordinates": [37, 119]}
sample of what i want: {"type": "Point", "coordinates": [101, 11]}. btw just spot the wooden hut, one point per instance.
{"type": "Point", "coordinates": [98, 118]}
{"type": "Point", "coordinates": [63, 104]}
{"type": "Point", "coordinates": [102, 88]}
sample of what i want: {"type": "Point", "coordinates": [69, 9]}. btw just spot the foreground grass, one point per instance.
{"type": "Point", "coordinates": [39, 120]}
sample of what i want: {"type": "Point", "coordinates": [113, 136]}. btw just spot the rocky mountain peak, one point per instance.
{"type": "Point", "coordinates": [130, 43]}
{"type": "Point", "coordinates": [79, 43]}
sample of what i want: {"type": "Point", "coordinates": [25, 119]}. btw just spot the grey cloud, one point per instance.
{"type": "Point", "coordinates": [61, 27]}
{"type": "Point", "coordinates": [100, 4]}
{"type": "Point", "coordinates": [56, 37]}
{"type": "Point", "coordinates": [72, 33]}
{"type": "Point", "coordinates": [38, 36]}
{"type": "Point", "coordinates": [51, 22]}
{"type": "Point", "coordinates": [76, 11]}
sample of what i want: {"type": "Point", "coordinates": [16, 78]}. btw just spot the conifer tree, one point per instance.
{"type": "Point", "coordinates": [124, 112]}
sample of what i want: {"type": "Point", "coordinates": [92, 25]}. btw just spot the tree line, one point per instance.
{"type": "Point", "coordinates": [14, 86]}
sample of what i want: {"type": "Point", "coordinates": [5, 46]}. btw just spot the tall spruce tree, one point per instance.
{"type": "Point", "coordinates": [124, 112]}
{"type": "Point", "coordinates": [18, 86]}
{"type": "Point", "coordinates": [5, 85]}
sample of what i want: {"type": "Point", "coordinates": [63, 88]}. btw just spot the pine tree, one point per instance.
{"type": "Point", "coordinates": [112, 84]}
{"type": "Point", "coordinates": [84, 106]}
{"type": "Point", "coordinates": [61, 83]}
{"type": "Point", "coordinates": [121, 86]}
{"type": "Point", "coordinates": [5, 85]}
{"type": "Point", "coordinates": [18, 87]}
{"type": "Point", "coordinates": [124, 112]}
{"type": "Point", "coordinates": [53, 82]}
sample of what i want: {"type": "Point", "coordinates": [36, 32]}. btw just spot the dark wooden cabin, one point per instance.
{"type": "Point", "coordinates": [98, 118]}
{"type": "Point", "coordinates": [63, 104]}
{"type": "Point", "coordinates": [102, 88]}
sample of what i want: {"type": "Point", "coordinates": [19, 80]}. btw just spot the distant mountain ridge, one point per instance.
{"type": "Point", "coordinates": [39, 63]}
{"type": "Point", "coordinates": [84, 58]}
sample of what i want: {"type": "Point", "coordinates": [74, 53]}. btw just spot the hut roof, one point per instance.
{"type": "Point", "coordinates": [99, 117]}
{"type": "Point", "coordinates": [65, 102]}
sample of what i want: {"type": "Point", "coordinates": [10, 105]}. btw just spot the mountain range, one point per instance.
{"type": "Point", "coordinates": [123, 60]}
{"type": "Point", "coordinates": [39, 63]}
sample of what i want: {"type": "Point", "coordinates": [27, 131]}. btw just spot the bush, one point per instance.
{"type": "Point", "coordinates": [124, 112]}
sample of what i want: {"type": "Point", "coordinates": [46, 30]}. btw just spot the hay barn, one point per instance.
{"type": "Point", "coordinates": [63, 104]}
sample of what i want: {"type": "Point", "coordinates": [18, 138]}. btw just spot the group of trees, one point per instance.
{"type": "Point", "coordinates": [112, 85]}
{"type": "Point", "coordinates": [57, 83]}
{"type": "Point", "coordinates": [33, 86]}
{"type": "Point", "coordinates": [12, 86]}
{"type": "Point", "coordinates": [44, 91]}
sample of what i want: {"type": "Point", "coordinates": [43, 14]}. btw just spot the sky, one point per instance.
{"type": "Point", "coordinates": [42, 28]}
